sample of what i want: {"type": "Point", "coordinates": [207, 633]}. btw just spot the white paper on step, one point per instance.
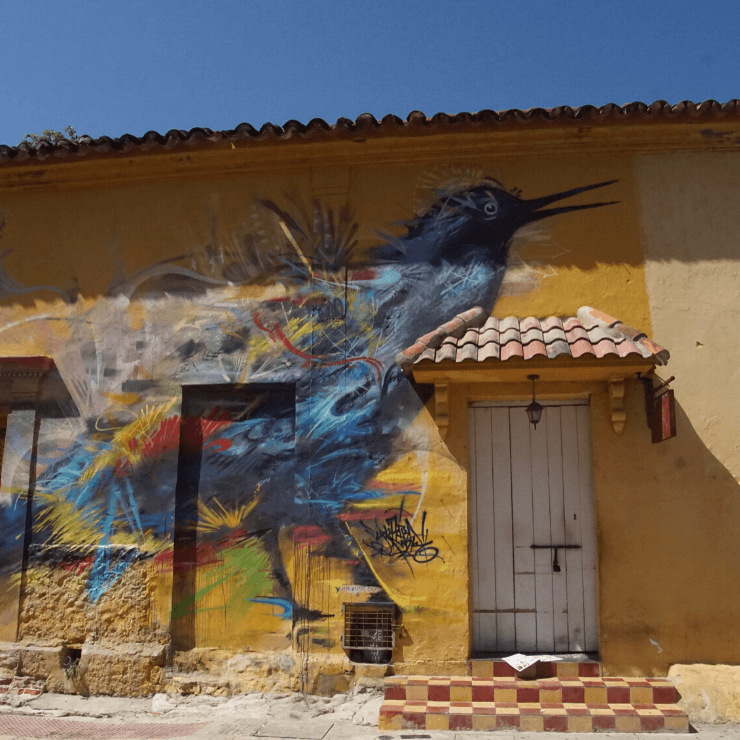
{"type": "Point", "coordinates": [519, 662]}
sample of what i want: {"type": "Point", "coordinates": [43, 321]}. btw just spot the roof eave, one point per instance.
{"type": "Point", "coordinates": [515, 370]}
{"type": "Point", "coordinates": [366, 127]}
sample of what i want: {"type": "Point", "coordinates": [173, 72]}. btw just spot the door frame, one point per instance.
{"type": "Point", "coordinates": [588, 517]}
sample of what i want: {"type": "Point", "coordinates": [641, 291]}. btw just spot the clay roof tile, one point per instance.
{"type": "Point", "coordinates": [367, 126]}
{"type": "Point", "coordinates": [471, 337]}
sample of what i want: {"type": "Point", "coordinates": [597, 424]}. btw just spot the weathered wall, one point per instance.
{"type": "Point", "coordinates": [259, 519]}
{"type": "Point", "coordinates": [666, 553]}
{"type": "Point", "coordinates": [709, 693]}
{"type": "Point", "coordinates": [122, 645]}
{"type": "Point", "coordinates": [56, 583]}
{"type": "Point", "coordinates": [15, 481]}
{"type": "Point", "coordinates": [690, 217]}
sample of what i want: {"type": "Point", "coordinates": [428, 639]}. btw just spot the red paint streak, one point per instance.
{"type": "Point", "coordinates": [277, 335]}
{"type": "Point", "coordinates": [220, 445]}
{"type": "Point", "coordinates": [363, 275]}
{"type": "Point", "coordinates": [190, 557]}
{"type": "Point", "coordinates": [163, 561]}
{"type": "Point", "coordinates": [213, 424]}
{"type": "Point", "coordinates": [235, 537]}
{"type": "Point", "coordinates": [304, 536]}
{"type": "Point", "coordinates": [207, 554]}
{"type": "Point", "coordinates": [122, 468]}
{"type": "Point", "coordinates": [167, 438]}
{"type": "Point", "coordinates": [77, 566]}
{"type": "Point", "coordinates": [280, 301]}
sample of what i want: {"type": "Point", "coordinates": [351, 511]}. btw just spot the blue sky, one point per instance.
{"type": "Point", "coordinates": [132, 66]}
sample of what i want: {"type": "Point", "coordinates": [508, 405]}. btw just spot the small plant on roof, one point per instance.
{"type": "Point", "coordinates": [49, 136]}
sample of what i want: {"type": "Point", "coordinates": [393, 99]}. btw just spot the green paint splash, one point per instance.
{"type": "Point", "coordinates": [246, 568]}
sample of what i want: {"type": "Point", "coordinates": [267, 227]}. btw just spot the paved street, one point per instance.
{"type": "Point", "coordinates": [286, 716]}
{"type": "Point", "coordinates": [13, 727]}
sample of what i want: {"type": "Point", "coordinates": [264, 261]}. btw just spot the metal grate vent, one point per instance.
{"type": "Point", "coordinates": [369, 626]}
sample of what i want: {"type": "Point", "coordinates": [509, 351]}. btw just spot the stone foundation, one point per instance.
{"type": "Point", "coordinates": [121, 669]}
{"type": "Point", "coordinates": [138, 669]}
{"type": "Point", "coordinates": [223, 673]}
{"type": "Point", "coordinates": [65, 597]}
{"type": "Point", "coordinates": [709, 693]}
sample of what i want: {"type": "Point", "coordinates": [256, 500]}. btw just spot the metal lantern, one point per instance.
{"type": "Point", "coordinates": [534, 410]}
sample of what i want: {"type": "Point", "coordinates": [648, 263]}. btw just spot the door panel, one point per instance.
{"type": "Point", "coordinates": [503, 542]}
{"type": "Point", "coordinates": [553, 422]}
{"type": "Point", "coordinates": [521, 496]}
{"type": "Point", "coordinates": [484, 585]}
{"type": "Point", "coordinates": [542, 527]}
{"type": "Point", "coordinates": [572, 511]}
{"type": "Point", "coordinates": [532, 487]}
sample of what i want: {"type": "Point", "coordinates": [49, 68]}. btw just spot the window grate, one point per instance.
{"type": "Point", "coordinates": [369, 626]}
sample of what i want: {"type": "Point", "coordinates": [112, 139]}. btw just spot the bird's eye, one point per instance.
{"type": "Point", "coordinates": [490, 208]}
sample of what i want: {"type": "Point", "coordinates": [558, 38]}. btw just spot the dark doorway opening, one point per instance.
{"type": "Point", "coordinates": [216, 418]}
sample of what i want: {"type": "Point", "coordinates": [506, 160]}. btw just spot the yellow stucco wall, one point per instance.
{"type": "Point", "coordinates": [663, 259]}
{"type": "Point", "coordinates": [690, 220]}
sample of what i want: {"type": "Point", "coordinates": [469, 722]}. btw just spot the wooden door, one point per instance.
{"type": "Point", "coordinates": [532, 487]}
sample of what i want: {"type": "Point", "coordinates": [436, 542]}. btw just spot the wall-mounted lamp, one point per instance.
{"type": "Point", "coordinates": [534, 410]}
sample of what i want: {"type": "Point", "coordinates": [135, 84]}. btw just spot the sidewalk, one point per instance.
{"type": "Point", "coordinates": [282, 717]}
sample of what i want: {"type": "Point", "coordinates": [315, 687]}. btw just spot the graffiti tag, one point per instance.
{"type": "Point", "coordinates": [396, 538]}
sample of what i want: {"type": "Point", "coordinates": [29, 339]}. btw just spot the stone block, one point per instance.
{"type": "Point", "coordinates": [39, 661]}
{"type": "Point", "coordinates": [709, 693]}
{"type": "Point", "coordinates": [128, 669]}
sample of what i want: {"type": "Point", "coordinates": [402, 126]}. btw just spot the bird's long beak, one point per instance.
{"type": "Point", "coordinates": [535, 214]}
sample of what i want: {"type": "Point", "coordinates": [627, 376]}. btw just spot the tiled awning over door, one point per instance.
{"type": "Point", "coordinates": [471, 336]}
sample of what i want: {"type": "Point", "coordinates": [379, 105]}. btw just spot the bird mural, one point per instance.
{"type": "Point", "coordinates": [292, 404]}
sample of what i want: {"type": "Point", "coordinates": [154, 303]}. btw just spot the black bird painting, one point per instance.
{"type": "Point", "coordinates": [454, 255]}
{"type": "Point", "coordinates": [352, 406]}
{"type": "Point", "coordinates": [325, 403]}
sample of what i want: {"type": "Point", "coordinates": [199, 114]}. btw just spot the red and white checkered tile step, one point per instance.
{"type": "Point", "coordinates": [543, 691]}
{"type": "Point", "coordinates": [567, 703]}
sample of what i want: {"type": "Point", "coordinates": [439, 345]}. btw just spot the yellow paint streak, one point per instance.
{"type": "Point", "coordinates": [290, 238]}
{"type": "Point", "coordinates": [138, 430]}
{"type": "Point", "coordinates": [405, 473]}
{"type": "Point", "coordinates": [211, 519]}
{"type": "Point", "coordinates": [125, 399]}
{"type": "Point", "coordinates": [69, 523]}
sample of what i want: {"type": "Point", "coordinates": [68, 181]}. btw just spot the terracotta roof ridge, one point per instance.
{"type": "Point", "coordinates": [473, 317]}
{"type": "Point", "coordinates": [366, 123]}
{"type": "Point", "coordinates": [592, 316]}
{"type": "Point", "coordinates": [468, 336]}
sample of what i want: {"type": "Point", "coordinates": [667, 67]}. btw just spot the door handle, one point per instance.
{"type": "Point", "coordinates": [555, 563]}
